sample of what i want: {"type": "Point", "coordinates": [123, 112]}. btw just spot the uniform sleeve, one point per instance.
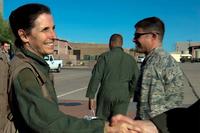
{"type": "Point", "coordinates": [3, 91]}
{"type": "Point", "coordinates": [167, 86]}
{"type": "Point", "coordinates": [43, 115]}
{"type": "Point", "coordinates": [174, 84]}
{"type": "Point", "coordinates": [2, 76]}
{"type": "Point", "coordinates": [4, 73]}
{"type": "Point", "coordinates": [97, 75]}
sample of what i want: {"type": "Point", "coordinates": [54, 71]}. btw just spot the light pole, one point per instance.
{"type": "Point", "coordinates": [191, 49]}
{"type": "Point", "coordinates": [189, 43]}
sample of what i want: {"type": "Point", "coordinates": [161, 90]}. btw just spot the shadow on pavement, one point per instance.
{"type": "Point", "coordinates": [70, 103]}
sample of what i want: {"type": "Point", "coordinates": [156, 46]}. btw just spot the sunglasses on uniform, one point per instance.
{"type": "Point", "coordinates": [138, 35]}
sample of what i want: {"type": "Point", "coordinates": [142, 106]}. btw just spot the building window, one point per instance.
{"type": "Point", "coordinates": [77, 53]}
{"type": "Point", "coordinates": [55, 52]}
{"type": "Point", "coordinates": [86, 57]}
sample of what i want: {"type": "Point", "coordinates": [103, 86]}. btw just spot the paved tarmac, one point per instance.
{"type": "Point", "coordinates": [79, 108]}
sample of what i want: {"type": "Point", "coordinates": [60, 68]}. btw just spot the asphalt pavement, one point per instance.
{"type": "Point", "coordinates": [78, 107]}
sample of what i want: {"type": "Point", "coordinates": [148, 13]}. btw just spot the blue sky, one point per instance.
{"type": "Point", "coordinates": [94, 21]}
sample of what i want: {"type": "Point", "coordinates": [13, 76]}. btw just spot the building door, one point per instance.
{"type": "Point", "coordinates": [77, 53]}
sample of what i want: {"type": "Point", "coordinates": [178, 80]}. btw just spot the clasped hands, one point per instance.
{"type": "Point", "coordinates": [124, 124]}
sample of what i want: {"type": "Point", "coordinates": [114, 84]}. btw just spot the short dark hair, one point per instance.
{"type": "Point", "coordinates": [151, 24]}
{"type": "Point", "coordinates": [24, 16]}
{"type": "Point", "coordinates": [116, 38]}
{"type": "Point", "coordinates": [3, 42]}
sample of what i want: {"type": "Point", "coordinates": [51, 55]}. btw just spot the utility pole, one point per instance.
{"type": "Point", "coordinates": [191, 49]}
{"type": "Point", "coordinates": [189, 43]}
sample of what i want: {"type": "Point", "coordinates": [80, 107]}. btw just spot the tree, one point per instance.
{"type": "Point", "coordinates": [5, 31]}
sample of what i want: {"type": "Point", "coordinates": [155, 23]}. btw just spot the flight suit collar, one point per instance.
{"type": "Point", "coordinates": [34, 57]}
{"type": "Point", "coordinates": [116, 48]}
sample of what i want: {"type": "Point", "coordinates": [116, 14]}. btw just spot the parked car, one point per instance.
{"type": "Point", "coordinates": [54, 64]}
{"type": "Point", "coordinates": [186, 58]}
{"type": "Point", "coordinates": [140, 58]}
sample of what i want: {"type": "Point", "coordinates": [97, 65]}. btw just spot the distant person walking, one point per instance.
{"type": "Point", "coordinates": [117, 73]}
{"type": "Point", "coordinates": [160, 84]}
{"type": "Point", "coordinates": [4, 66]}
{"type": "Point", "coordinates": [5, 48]}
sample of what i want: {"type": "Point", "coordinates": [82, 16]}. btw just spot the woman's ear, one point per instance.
{"type": "Point", "coordinates": [22, 34]}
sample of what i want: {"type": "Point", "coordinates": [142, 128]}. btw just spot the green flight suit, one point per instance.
{"type": "Point", "coordinates": [36, 114]}
{"type": "Point", "coordinates": [116, 72]}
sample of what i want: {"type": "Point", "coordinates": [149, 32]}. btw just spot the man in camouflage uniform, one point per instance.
{"type": "Point", "coordinates": [160, 84]}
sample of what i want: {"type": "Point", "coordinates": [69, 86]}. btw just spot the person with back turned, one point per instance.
{"type": "Point", "coordinates": [4, 67]}
{"type": "Point", "coordinates": [116, 72]}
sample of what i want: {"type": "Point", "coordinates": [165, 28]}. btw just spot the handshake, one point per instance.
{"type": "Point", "coordinates": [124, 124]}
{"type": "Point", "coordinates": [177, 120]}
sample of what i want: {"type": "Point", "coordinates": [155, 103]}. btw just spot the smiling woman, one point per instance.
{"type": "Point", "coordinates": [41, 37]}
{"type": "Point", "coordinates": [34, 103]}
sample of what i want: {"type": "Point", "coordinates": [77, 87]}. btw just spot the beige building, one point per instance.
{"type": "Point", "coordinates": [77, 53]}
{"type": "Point", "coordinates": [192, 48]}
{"type": "Point", "coordinates": [92, 51]}
{"type": "Point", "coordinates": [86, 51]}
{"type": "Point", "coordinates": [62, 50]}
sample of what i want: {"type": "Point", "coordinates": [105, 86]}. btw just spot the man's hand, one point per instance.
{"type": "Point", "coordinates": [118, 128]}
{"type": "Point", "coordinates": [136, 126]}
